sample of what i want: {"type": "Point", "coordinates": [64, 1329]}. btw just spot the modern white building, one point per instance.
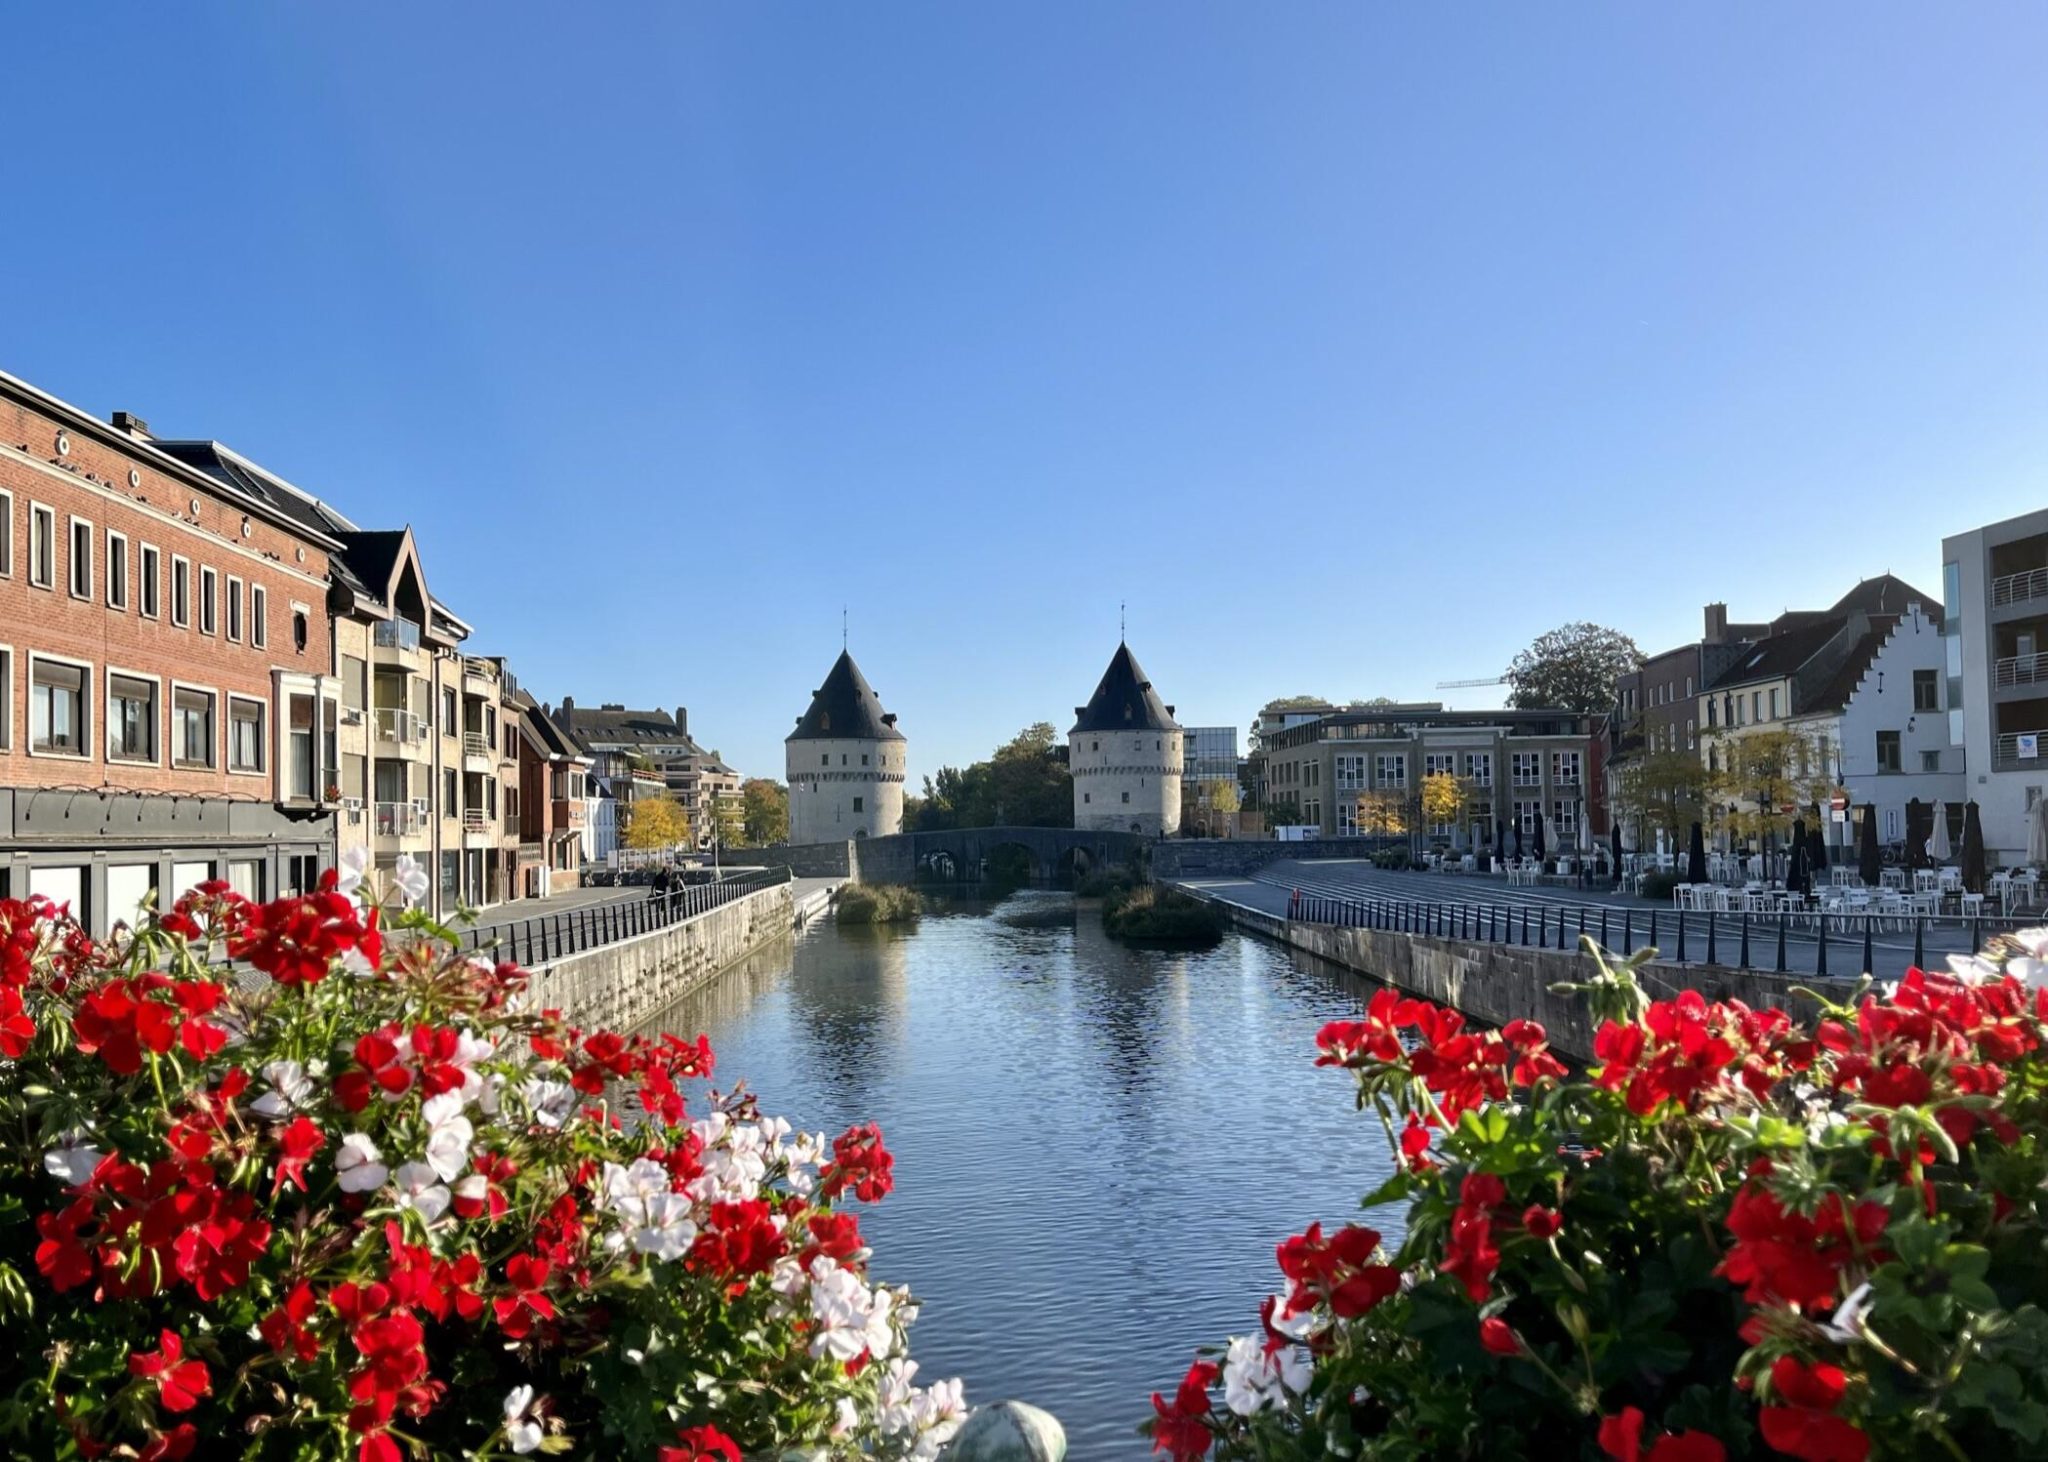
{"type": "Point", "coordinates": [846, 762]}
{"type": "Point", "coordinates": [1125, 755]}
{"type": "Point", "coordinates": [1995, 624]}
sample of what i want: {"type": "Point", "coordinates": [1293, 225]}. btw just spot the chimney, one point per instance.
{"type": "Point", "coordinates": [683, 720]}
{"type": "Point", "coordinates": [132, 424]}
{"type": "Point", "coordinates": [1717, 624]}
{"type": "Point", "coordinates": [568, 709]}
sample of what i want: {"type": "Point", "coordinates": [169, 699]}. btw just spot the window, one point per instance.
{"type": "Point", "coordinates": [449, 725]}
{"type": "Point", "coordinates": [1528, 767]}
{"type": "Point", "coordinates": [42, 546]}
{"type": "Point", "coordinates": [1438, 764]}
{"type": "Point", "coordinates": [1887, 751]}
{"type": "Point", "coordinates": [1350, 771]}
{"type": "Point", "coordinates": [355, 679]}
{"type": "Point", "coordinates": [6, 535]}
{"type": "Point", "coordinates": [859, 804]}
{"type": "Point", "coordinates": [246, 739]}
{"type": "Point", "coordinates": [259, 616]}
{"type": "Point", "coordinates": [1479, 768]}
{"type": "Point", "coordinates": [1926, 690]}
{"type": "Point", "coordinates": [191, 727]}
{"type": "Point", "coordinates": [1774, 705]}
{"type": "Point", "coordinates": [1526, 814]}
{"type": "Point", "coordinates": [1127, 796]}
{"type": "Point", "coordinates": [150, 591]}
{"type": "Point", "coordinates": [81, 559]}
{"type": "Point", "coordinates": [1347, 819]}
{"type": "Point", "coordinates": [1564, 819]}
{"type": "Point", "coordinates": [56, 708]}
{"type": "Point", "coordinates": [863, 758]}
{"type": "Point", "coordinates": [131, 718]}
{"type": "Point", "coordinates": [1756, 705]}
{"type": "Point", "coordinates": [1930, 761]}
{"type": "Point", "coordinates": [209, 601]}
{"type": "Point", "coordinates": [1564, 768]}
{"type": "Point", "coordinates": [1390, 769]}
{"type": "Point", "coordinates": [234, 609]}
{"type": "Point", "coordinates": [448, 792]}
{"type": "Point", "coordinates": [1713, 712]}
{"type": "Point", "coordinates": [117, 570]}
{"type": "Point", "coordinates": [181, 591]}
{"type": "Point", "coordinates": [825, 759]}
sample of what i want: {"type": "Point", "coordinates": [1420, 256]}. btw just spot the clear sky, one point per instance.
{"type": "Point", "coordinates": [1352, 344]}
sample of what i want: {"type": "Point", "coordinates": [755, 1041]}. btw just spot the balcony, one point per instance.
{"type": "Point", "coordinates": [2020, 670]}
{"type": "Point", "coordinates": [484, 677]}
{"type": "Point", "coordinates": [475, 744]}
{"type": "Point", "coordinates": [2021, 588]}
{"type": "Point", "coordinates": [395, 634]}
{"type": "Point", "coordinates": [400, 726]}
{"type": "Point", "coordinates": [474, 820]}
{"type": "Point", "coordinates": [398, 819]}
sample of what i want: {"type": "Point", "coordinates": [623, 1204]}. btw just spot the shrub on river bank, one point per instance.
{"type": "Point", "coordinates": [1105, 883]}
{"type": "Point", "coordinates": [383, 1208]}
{"type": "Point", "coordinates": [878, 903]}
{"type": "Point", "coordinates": [1153, 914]}
{"type": "Point", "coordinates": [1732, 1237]}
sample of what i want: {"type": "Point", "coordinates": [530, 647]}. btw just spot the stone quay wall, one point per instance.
{"type": "Point", "coordinates": [1199, 857]}
{"type": "Point", "coordinates": [1497, 983]}
{"type": "Point", "coordinates": [622, 986]}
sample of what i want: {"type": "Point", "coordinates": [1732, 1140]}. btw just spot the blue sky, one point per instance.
{"type": "Point", "coordinates": [1352, 345]}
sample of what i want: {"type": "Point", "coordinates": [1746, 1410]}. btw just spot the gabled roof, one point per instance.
{"type": "Point", "coordinates": [1124, 700]}
{"type": "Point", "coordinates": [1887, 594]}
{"type": "Point", "coordinates": [616, 726]}
{"type": "Point", "coordinates": [845, 707]}
{"type": "Point", "coordinates": [1835, 691]}
{"type": "Point", "coordinates": [1780, 654]}
{"type": "Point", "coordinates": [373, 557]}
{"type": "Point", "coordinates": [233, 470]}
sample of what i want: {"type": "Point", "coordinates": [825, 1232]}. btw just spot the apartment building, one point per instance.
{"type": "Point", "coordinates": [423, 755]}
{"type": "Point", "coordinates": [1995, 671]}
{"type": "Point", "coordinates": [1512, 766]}
{"type": "Point", "coordinates": [553, 802]}
{"type": "Point", "coordinates": [620, 740]}
{"type": "Point", "coordinates": [166, 700]}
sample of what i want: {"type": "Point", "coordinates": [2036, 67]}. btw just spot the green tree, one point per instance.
{"type": "Point", "coordinates": [764, 812]}
{"type": "Point", "coordinates": [1661, 789]}
{"type": "Point", "coordinates": [1024, 784]}
{"type": "Point", "coordinates": [1575, 667]}
{"type": "Point", "coordinates": [1757, 774]}
{"type": "Point", "coordinates": [656, 822]}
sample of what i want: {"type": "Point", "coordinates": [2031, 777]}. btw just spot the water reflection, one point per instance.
{"type": "Point", "coordinates": [1097, 1147]}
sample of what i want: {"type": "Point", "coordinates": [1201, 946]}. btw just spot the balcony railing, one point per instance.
{"type": "Point", "coordinates": [395, 634]}
{"type": "Point", "coordinates": [2020, 670]}
{"type": "Point", "coordinates": [401, 726]}
{"type": "Point", "coordinates": [398, 819]}
{"type": "Point", "coordinates": [2020, 588]}
{"type": "Point", "coordinates": [2005, 752]}
{"type": "Point", "coordinates": [474, 820]}
{"type": "Point", "coordinates": [474, 744]}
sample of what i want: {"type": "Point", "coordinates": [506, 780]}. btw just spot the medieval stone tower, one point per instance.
{"type": "Point", "coordinates": [846, 763]}
{"type": "Point", "coordinates": [1125, 754]}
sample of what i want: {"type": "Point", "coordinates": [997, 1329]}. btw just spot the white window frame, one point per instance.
{"type": "Point", "coordinates": [1479, 768]}
{"type": "Point", "coordinates": [209, 603]}
{"type": "Point", "coordinates": [1380, 761]}
{"type": "Point", "coordinates": [46, 578]}
{"type": "Point", "coordinates": [259, 609]}
{"type": "Point", "coordinates": [6, 534]}
{"type": "Point", "coordinates": [1351, 771]}
{"type": "Point", "coordinates": [234, 604]}
{"type": "Point", "coordinates": [72, 556]}
{"type": "Point", "coordinates": [149, 584]}
{"type": "Point", "coordinates": [156, 702]}
{"type": "Point", "coordinates": [216, 738]}
{"type": "Point", "coordinates": [1533, 761]}
{"type": "Point", "coordinates": [1559, 759]}
{"type": "Point", "coordinates": [263, 739]}
{"type": "Point", "coordinates": [85, 732]}
{"type": "Point", "coordinates": [181, 618]}
{"type": "Point", "coordinates": [1564, 818]}
{"type": "Point", "coordinates": [117, 582]}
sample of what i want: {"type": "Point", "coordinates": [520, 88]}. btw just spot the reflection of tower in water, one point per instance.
{"type": "Point", "coordinates": [1128, 994]}
{"type": "Point", "coordinates": [847, 1001]}
{"type": "Point", "coordinates": [729, 995]}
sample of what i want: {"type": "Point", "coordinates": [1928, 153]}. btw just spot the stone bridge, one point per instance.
{"type": "Point", "coordinates": [957, 855]}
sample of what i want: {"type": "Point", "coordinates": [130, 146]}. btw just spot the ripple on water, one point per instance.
{"type": "Point", "coordinates": [1096, 1147]}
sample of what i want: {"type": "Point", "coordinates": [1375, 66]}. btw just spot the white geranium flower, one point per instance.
{"type": "Point", "coordinates": [291, 1090]}
{"type": "Point", "coordinates": [937, 1412]}
{"type": "Point", "coordinates": [1847, 1325]}
{"type": "Point", "coordinates": [355, 964]}
{"type": "Point", "coordinates": [851, 1318]}
{"type": "Point", "coordinates": [667, 1230]}
{"type": "Point", "coordinates": [350, 869]}
{"type": "Point", "coordinates": [846, 1416]}
{"type": "Point", "coordinates": [358, 1166]}
{"type": "Point", "coordinates": [448, 1148]}
{"type": "Point", "coordinates": [412, 879]}
{"type": "Point", "coordinates": [71, 1166]}
{"type": "Point", "coordinates": [551, 1101]}
{"type": "Point", "coordinates": [1254, 1381]}
{"type": "Point", "coordinates": [521, 1431]}
{"type": "Point", "coordinates": [420, 1189]}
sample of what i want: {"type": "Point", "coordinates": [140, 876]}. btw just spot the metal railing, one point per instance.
{"type": "Point", "coordinates": [548, 937]}
{"type": "Point", "coordinates": [395, 634]}
{"type": "Point", "coordinates": [397, 819]}
{"type": "Point", "coordinates": [2005, 752]}
{"type": "Point", "coordinates": [474, 820]}
{"type": "Point", "coordinates": [1562, 925]}
{"type": "Point", "coordinates": [2019, 588]}
{"type": "Point", "coordinates": [395, 724]}
{"type": "Point", "coordinates": [2020, 670]}
{"type": "Point", "coordinates": [474, 744]}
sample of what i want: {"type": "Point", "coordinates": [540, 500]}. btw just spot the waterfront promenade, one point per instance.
{"type": "Point", "coordinates": [1271, 890]}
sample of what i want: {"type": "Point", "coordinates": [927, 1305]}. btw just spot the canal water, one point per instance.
{"type": "Point", "coordinates": [1097, 1147]}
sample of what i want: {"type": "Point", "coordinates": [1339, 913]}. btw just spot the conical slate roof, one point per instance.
{"type": "Point", "coordinates": [1125, 700]}
{"type": "Point", "coordinates": [845, 707]}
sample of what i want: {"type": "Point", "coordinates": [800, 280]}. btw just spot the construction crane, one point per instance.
{"type": "Point", "coordinates": [1471, 684]}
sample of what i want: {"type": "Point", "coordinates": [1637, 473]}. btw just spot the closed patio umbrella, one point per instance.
{"type": "Point", "coordinates": [1916, 833]}
{"type": "Point", "coordinates": [1798, 867]}
{"type": "Point", "coordinates": [1518, 839]}
{"type": "Point", "coordinates": [1973, 849]}
{"type": "Point", "coordinates": [1541, 840]}
{"type": "Point", "coordinates": [1938, 847]}
{"type": "Point", "coordinates": [1868, 865]}
{"type": "Point", "coordinates": [1585, 829]}
{"type": "Point", "coordinates": [1819, 851]}
{"type": "Point", "coordinates": [1696, 857]}
{"type": "Point", "coordinates": [1614, 846]}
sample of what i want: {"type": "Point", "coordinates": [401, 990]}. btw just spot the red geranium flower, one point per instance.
{"type": "Point", "coordinates": [1180, 1430]}
{"type": "Point", "coordinates": [180, 1383]}
{"type": "Point", "coordinates": [701, 1444]}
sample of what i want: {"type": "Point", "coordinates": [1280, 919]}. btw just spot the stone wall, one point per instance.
{"type": "Point", "coordinates": [1497, 983]}
{"type": "Point", "coordinates": [1126, 781]}
{"type": "Point", "coordinates": [805, 860]}
{"type": "Point", "coordinates": [621, 986]}
{"type": "Point", "coordinates": [1196, 857]}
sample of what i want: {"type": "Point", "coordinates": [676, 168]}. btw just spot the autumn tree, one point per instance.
{"type": "Point", "coordinates": [1214, 800]}
{"type": "Point", "coordinates": [1383, 812]}
{"type": "Point", "coordinates": [764, 812]}
{"type": "Point", "coordinates": [656, 822]}
{"type": "Point", "coordinates": [1575, 667]}
{"type": "Point", "coordinates": [1443, 798]}
{"type": "Point", "coordinates": [1757, 774]}
{"type": "Point", "coordinates": [1661, 789]}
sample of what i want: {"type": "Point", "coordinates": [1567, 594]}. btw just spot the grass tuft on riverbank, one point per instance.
{"type": "Point", "coordinates": [1150, 914]}
{"type": "Point", "coordinates": [1106, 883]}
{"type": "Point", "coordinates": [878, 903]}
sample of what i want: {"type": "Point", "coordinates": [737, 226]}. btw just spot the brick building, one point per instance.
{"type": "Point", "coordinates": [164, 670]}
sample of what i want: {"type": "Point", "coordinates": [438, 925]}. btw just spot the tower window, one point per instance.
{"type": "Point", "coordinates": [859, 804]}
{"type": "Point", "coordinates": [1127, 796]}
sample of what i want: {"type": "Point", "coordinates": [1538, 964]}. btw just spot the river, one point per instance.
{"type": "Point", "coordinates": [1097, 1147]}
